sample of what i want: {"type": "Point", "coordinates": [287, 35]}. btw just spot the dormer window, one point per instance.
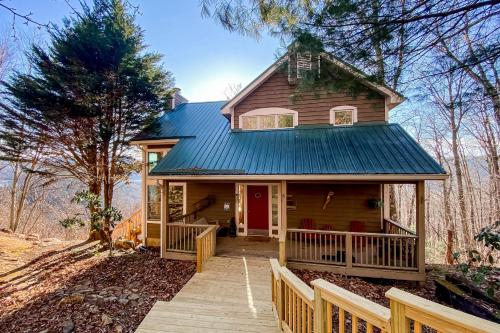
{"type": "Point", "coordinates": [343, 115]}
{"type": "Point", "coordinates": [269, 118]}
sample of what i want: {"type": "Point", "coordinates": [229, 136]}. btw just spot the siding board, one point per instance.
{"type": "Point", "coordinates": [348, 204]}
{"type": "Point", "coordinates": [223, 192]}
{"type": "Point", "coordinates": [312, 107]}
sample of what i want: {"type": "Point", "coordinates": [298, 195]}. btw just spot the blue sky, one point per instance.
{"type": "Point", "coordinates": [203, 57]}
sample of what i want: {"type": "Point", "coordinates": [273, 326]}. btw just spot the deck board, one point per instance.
{"type": "Point", "coordinates": [232, 294]}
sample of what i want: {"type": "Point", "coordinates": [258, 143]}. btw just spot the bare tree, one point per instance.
{"type": "Point", "coordinates": [448, 96]}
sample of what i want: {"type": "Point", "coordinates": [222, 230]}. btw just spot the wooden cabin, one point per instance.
{"type": "Point", "coordinates": [309, 169]}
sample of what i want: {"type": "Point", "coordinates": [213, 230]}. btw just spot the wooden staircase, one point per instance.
{"type": "Point", "coordinates": [198, 206]}
{"type": "Point", "coordinates": [129, 228]}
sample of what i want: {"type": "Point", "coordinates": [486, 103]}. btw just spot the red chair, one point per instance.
{"type": "Point", "coordinates": [308, 224]}
{"type": "Point", "coordinates": [358, 226]}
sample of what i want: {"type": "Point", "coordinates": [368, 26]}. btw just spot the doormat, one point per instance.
{"type": "Point", "coordinates": [263, 239]}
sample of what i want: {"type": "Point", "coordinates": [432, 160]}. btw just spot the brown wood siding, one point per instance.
{"type": "Point", "coordinates": [224, 192]}
{"type": "Point", "coordinates": [348, 204]}
{"type": "Point", "coordinates": [313, 108]}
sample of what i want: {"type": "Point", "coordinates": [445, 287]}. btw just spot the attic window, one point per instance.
{"type": "Point", "coordinates": [268, 118]}
{"type": "Point", "coordinates": [343, 115]}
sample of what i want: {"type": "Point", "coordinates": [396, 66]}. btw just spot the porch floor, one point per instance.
{"type": "Point", "coordinates": [230, 295]}
{"type": "Point", "coordinates": [247, 246]}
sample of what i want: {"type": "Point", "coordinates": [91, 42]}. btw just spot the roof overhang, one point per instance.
{"type": "Point", "coordinates": [228, 107]}
{"type": "Point", "coordinates": [339, 177]}
{"type": "Point", "coordinates": [154, 142]}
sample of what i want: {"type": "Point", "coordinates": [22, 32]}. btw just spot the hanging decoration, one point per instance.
{"type": "Point", "coordinates": [328, 199]}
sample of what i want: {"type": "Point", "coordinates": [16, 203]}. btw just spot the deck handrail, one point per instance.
{"type": "Point", "coordinates": [399, 228]}
{"type": "Point", "coordinates": [351, 249]}
{"type": "Point", "coordinates": [292, 299]}
{"type": "Point", "coordinates": [408, 307]}
{"type": "Point", "coordinates": [353, 233]}
{"type": "Point", "coordinates": [205, 246]}
{"type": "Point", "coordinates": [181, 237]}
{"type": "Point", "coordinates": [328, 295]}
{"type": "Point", "coordinates": [299, 308]}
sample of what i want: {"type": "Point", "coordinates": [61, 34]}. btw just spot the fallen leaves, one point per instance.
{"type": "Point", "coordinates": [81, 290]}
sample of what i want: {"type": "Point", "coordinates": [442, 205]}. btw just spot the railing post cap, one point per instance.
{"type": "Point", "coordinates": [317, 282]}
{"type": "Point", "coordinates": [395, 293]}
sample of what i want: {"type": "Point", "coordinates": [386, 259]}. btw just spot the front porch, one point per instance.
{"type": "Point", "coordinates": [336, 226]}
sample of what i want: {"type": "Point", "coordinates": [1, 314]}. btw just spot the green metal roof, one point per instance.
{"type": "Point", "coordinates": [207, 146]}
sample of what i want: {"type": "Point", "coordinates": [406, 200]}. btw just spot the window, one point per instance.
{"type": "Point", "coordinates": [153, 159]}
{"type": "Point", "coordinates": [343, 115]}
{"type": "Point", "coordinates": [285, 120]}
{"type": "Point", "coordinates": [249, 122]}
{"type": "Point", "coordinates": [267, 122]}
{"type": "Point", "coordinates": [176, 200]}
{"type": "Point", "coordinates": [154, 203]}
{"type": "Point", "coordinates": [274, 205]}
{"type": "Point", "coordinates": [268, 118]}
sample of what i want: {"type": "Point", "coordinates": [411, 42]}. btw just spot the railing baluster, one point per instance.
{"type": "Point", "coordinates": [354, 323]}
{"type": "Point", "coordinates": [341, 320]}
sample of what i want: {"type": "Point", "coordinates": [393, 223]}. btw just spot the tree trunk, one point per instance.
{"type": "Point", "coordinates": [460, 186]}
{"type": "Point", "coordinates": [13, 198]}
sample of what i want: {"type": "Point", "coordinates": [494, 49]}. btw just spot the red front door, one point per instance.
{"type": "Point", "coordinates": [258, 207]}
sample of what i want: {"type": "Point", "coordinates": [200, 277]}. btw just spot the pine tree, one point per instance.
{"type": "Point", "coordinates": [91, 90]}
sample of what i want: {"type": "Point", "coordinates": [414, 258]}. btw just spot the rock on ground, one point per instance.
{"type": "Point", "coordinates": [80, 284]}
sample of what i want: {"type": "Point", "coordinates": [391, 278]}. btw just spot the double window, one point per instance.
{"type": "Point", "coordinates": [343, 115]}
{"type": "Point", "coordinates": [176, 201]}
{"type": "Point", "coordinates": [268, 118]}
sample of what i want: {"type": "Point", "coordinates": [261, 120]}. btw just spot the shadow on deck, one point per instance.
{"type": "Point", "coordinates": [249, 246]}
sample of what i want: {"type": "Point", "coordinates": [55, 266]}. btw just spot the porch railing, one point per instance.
{"type": "Point", "coordinates": [392, 227]}
{"type": "Point", "coordinates": [328, 308]}
{"type": "Point", "coordinates": [129, 228]}
{"type": "Point", "coordinates": [352, 249]}
{"type": "Point", "coordinates": [192, 239]}
{"type": "Point", "coordinates": [182, 237]}
{"type": "Point", "coordinates": [205, 246]}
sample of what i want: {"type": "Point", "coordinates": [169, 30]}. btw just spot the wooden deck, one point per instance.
{"type": "Point", "coordinates": [230, 295]}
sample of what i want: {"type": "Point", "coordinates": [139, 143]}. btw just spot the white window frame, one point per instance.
{"type": "Point", "coordinates": [156, 182]}
{"type": "Point", "coordinates": [269, 112]}
{"type": "Point", "coordinates": [341, 108]}
{"type": "Point", "coordinates": [163, 153]}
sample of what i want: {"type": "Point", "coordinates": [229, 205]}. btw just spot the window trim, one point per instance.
{"type": "Point", "coordinates": [273, 111]}
{"type": "Point", "coordinates": [156, 183]}
{"type": "Point", "coordinates": [163, 153]}
{"type": "Point", "coordinates": [336, 109]}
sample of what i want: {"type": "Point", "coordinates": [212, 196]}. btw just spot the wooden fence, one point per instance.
{"type": "Point", "coordinates": [328, 308]}
{"type": "Point", "coordinates": [353, 249]}
{"type": "Point", "coordinates": [129, 228]}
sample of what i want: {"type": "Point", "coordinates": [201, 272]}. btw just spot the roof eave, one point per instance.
{"type": "Point", "coordinates": [322, 177]}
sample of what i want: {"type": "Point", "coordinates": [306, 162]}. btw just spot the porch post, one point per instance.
{"type": "Point", "coordinates": [420, 219]}
{"type": "Point", "coordinates": [164, 218]}
{"type": "Point", "coordinates": [387, 201]}
{"type": "Point", "coordinates": [144, 189]}
{"type": "Point", "coordinates": [282, 233]}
